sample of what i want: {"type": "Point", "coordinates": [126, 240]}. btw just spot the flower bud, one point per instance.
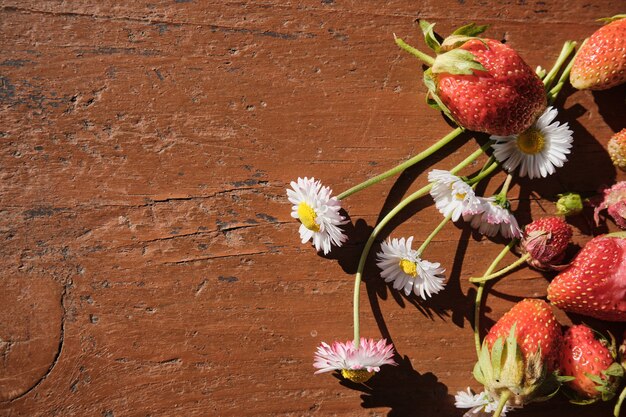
{"type": "Point", "coordinates": [569, 204]}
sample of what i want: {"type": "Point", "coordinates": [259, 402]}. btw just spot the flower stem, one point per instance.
{"type": "Point", "coordinates": [433, 234]}
{"type": "Point", "coordinates": [427, 59]}
{"type": "Point", "coordinates": [618, 404]}
{"type": "Point", "coordinates": [393, 171]}
{"type": "Point", "coordinates": [567, 49]}
{"type": "Point", "coordinates": [479, 293]}
{"type": "Point", "coordinates": [370, 241]}
{"type": "Point", "coordinates": [505, 187]}
{"type": "Point", "coordinates": [554, 92]}
{"type": "Point", "coordinates": [501, 272]}
{"type": "Point", "coordinates": [485, 172]}
{"type": "Point", "coordinates": [504, 397]}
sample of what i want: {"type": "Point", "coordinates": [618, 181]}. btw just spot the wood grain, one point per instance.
{"type": "Point", "coordinates": [150, 265]}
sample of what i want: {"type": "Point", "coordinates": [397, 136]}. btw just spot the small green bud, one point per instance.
{"type": "Point", "coordinates": [569, 204]}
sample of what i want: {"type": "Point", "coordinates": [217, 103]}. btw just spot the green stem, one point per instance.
{"type": "Point", "coordinates": [433, 234]}
{"type": "Point", "coordinates": [618, 404]}
{"type": "Point", "coordinates": [427, 59]}
{"type": "Point", "coordinates": [554, 91]}
{"type": "Point", "coordinates": [505, 187]}
{"type": "Point", "coordinates": [503, 271]}
{"type": "Point", "coordinates": [484, 173]}
{"type": "Point", "coordinates": [393, 171]}
{"type": "Point", "coordinates": [370, 241]}
{"type": "Point", "coordinates": [567, 49]}
{"type": "Point", "coordinates": [479, 293]}
{"type": "Point", "coordinates": [504, 397]}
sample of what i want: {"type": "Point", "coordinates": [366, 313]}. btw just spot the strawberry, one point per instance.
{"type": "Point", "coordinates": [595, 282]}
{"type": "Point", "coordinates": [617, 149]}
{"type": "Point", "coordinates": [601, 61]}
{"type": "Point", "coordinates": [519, 356]}
{"type": "Point", "coordinates": [590, 359]}
{"type": "Point", "coordinates": [481, 84]}
{"type": "Point", "coordinates": [614, 201]}
{"type": "Point", "coordinates": [545, 241]}
{"type": "Point", "coordinates": [501, 95]}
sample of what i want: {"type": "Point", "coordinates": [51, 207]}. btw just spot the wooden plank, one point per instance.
{"type": "Point", "coordinates": [150, 263]}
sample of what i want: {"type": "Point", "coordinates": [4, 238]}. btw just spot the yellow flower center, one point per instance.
{"type": "Point", "coordinates": [408, 267]}
{"type": "Point", "coordinates": [307, 216]}
{"type": "Point", "coordinates": [460, 196]}
{"type": "Point", "coordinates": [531, 141]}
{"type": "Point", "coordinates": [357, 375]}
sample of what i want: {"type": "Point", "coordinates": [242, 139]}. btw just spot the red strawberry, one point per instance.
{"type": "Point", "coordinates": [520, 354]}
{"type": "Point", "coordinates": [595, 282]}
{"type": "Point", "coordinates": [499, 95]}
{"type": "Point", "coordinates": [617, 149]}
{"type": "Point", "coordinates": [601, 61]}
{"type": "Point", "coordinates": [545, 241]}
{"type": "Point", "coordinates": [591, 360]}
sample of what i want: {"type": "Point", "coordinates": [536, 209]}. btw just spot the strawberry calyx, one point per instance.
{"type": "Point", "coordinates": [456, 39]}
{"type": "Point", "coordinates": [506, 373]}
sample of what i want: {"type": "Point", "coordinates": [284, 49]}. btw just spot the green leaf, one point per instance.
{"type": "Point", "coordinates": [432, 96]}
{"type": "Point", "coordinates": [470, 30]}
{"type": "Point", "coordinates": [615, 370]}
{"type": "Point", "coordinates": [478, 373]}
{"type": "Point", "coordinates": [595, 378]}
{"type": "Point", "coordinates": [430, 102]}
{"type": "Point", "coordinates": [485, 363]}
{"type": "Point", "coordinates": [565, 378]}
{"type": "Point", "coordinates": [457, 61]}
{"type": "Point", "coordinates": [496, 357]}
{"type": "Point", "coordinates": [429, 35]}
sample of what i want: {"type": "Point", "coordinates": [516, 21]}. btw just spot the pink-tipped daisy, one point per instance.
{"type": "Point", "coordinates": [494, 219]}
{"type": "Point", "coordinates": [452, 195]}
{"type": "Point", "coordinates": [403, 266]}
{"type": "Point", "coordinates": [538, 150]}
{"type": "Point", "coordinates": [318, 213]}
{"type": "Point", "coordinates": [358, 364]}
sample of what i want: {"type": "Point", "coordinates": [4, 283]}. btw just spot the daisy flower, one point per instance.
{"type": "Point", "coordinates": [452, 195]}
{"type": "Point", "coordinates": [403, 266]}
{"type": "Point", "coordinates": [318, 213]}
{"type": "Point", "coordinates": [358, 364]}
{"type": "Point", "coordinates": [494, 219]}
{"type": "Point", "coordinates": [479, 404]}
{"type": "Point", "coordinates": [538, 150]}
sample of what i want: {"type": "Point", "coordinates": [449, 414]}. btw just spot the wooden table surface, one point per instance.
{"type": "Point", "coordinates": [150, 266]}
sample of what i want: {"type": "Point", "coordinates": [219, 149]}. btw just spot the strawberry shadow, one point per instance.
{"type": "Point", "coordinates": [606, 101]}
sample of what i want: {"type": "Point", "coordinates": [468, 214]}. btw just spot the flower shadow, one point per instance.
{"type": "Point", "coordinates": [405, 392]}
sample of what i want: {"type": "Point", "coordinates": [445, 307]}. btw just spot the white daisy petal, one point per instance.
{"type": "Point", "coordinates": [538, 150]}
{"type": "Point", "coordinates": [318, 213]}
{"type": "Point", "coordinates": [453, 197]}
{"type": "Point", "coordinates": [480, 405]}
{"type": "Point", "coordinates": [402, 266]}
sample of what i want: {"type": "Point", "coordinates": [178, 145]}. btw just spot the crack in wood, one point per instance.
{"type": "Point", "coordinates": [59, 348]}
